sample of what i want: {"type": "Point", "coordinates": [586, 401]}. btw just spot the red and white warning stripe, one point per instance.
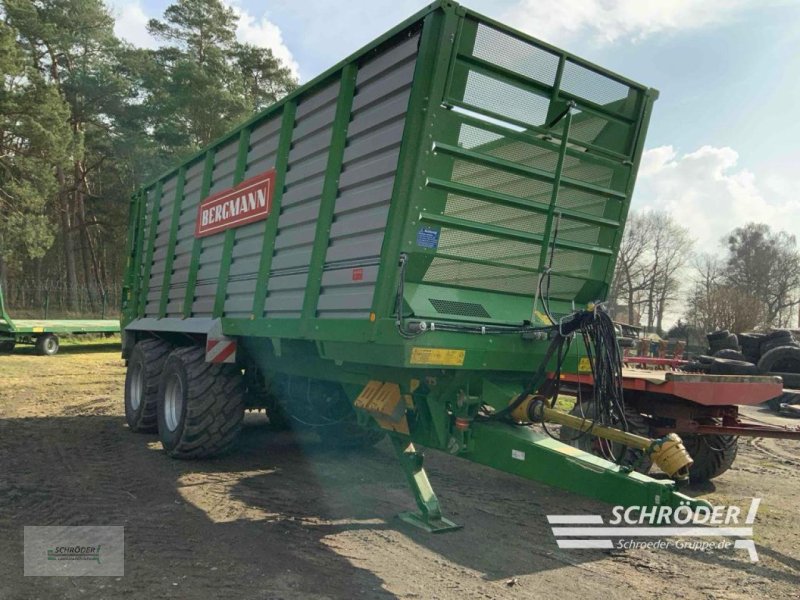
{"type": "Point", "coordinates": [221, 350]}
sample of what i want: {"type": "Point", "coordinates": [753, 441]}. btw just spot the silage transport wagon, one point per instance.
{"type": "Point", "coordinates": [44, 333]}
{"type": "Point", "coordinates": [397, 247]}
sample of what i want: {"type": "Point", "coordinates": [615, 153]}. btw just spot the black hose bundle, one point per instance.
{"type": "Point", "coordinates": [605, 358]}
{"type": "Point", "coordinates": [599, 336]}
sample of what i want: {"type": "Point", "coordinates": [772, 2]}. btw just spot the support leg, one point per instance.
{"type": "Point", "coordinates": [430, 516]}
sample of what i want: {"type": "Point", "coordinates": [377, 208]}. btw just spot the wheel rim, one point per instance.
{"type": "Point", "coordinates": [137, 386]}
{"type": "Point", "coordinates": [173, 402]}
{"type": "Point", "coordinates": [49, 344]}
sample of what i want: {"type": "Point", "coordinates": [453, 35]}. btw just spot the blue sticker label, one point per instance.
{"type": "Point", "coordinates": [428, 238]}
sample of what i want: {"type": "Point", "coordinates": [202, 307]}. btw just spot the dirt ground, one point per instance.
{"type": "Point", "coordinates": [284, 518]}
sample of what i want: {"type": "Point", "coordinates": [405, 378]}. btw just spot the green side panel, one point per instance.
{"type": "Point", "coordinates": [329, 190]}
{"type": "Point", "coordinates": [173, 234]}
{"type": "Point", "coordinates": [432, 60]}
{"type": "Point", "coordinates": [197, 245]}
{"type": "Point", "coordinates": [151, 234]}
{"type": "Point", "coordinates": [230, 234]}
{"type": "Point", "coordinates": [271, 225]}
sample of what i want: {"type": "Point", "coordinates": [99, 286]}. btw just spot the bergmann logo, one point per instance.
{"type": "Point", "coordinates": [662, 522]}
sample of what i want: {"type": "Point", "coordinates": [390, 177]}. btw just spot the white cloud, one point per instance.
{"type": "Point", "coordinates": [610, 20]}
{"type": "Point", "coordinates": [708, 192]}
{"type": "Point", "coordinates": [264, 33]}
{"type": "Point", "coordinates": [131, 25]}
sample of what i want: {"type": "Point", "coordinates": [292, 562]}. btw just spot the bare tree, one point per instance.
{"type": "Point", "coordinates": [671, 249]}
{"type": "Point", "coordinates": [713, 305]}
{"type": "Point", "coordinates": [766, 265]}
{"type": "Point", "coordinates": [648, 276]}
{"type": "Point", "coordinates": [630, 273]}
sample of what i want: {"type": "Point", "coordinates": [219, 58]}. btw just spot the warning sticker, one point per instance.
{"type": "Point", "coordinates": [584, 366]}
{"type": "Point", "coordinates": [437, 356]}
{"type": "Point", "coordinates": [427, 237]}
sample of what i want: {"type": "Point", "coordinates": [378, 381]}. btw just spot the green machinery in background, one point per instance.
{"type": "Point", "coordinates": [37, 327]}
{"type": "Point", "coordinates": [393, 248]}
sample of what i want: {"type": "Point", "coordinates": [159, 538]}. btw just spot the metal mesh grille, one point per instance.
{"type": "Point", "coordinates": [464, 309]}
{"type": "Point", "coordinates": [597, 88]}
{"type": "Point", "coordinates": [498, 279]}
{"type": "Point", "coordinates": [500, 155]}
{"type": "Point", "coordinates": [495, 96]}
{"type": "Point", "coordinates": [515, 55]}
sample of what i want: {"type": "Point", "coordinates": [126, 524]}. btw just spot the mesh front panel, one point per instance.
{"type": "Point", "coordinates": [504, 184]}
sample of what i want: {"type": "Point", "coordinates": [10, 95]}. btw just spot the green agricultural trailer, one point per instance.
{"type": "Point", "coordinates": [44, 332]}
{"type": "Point", "coordinates": [403, 246]}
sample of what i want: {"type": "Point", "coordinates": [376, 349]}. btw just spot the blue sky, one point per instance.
{"type": "Point", "coordinates": [723, 143]}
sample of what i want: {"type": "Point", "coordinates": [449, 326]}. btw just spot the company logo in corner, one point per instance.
{"type": "Point", "coordinates": [682, 527]}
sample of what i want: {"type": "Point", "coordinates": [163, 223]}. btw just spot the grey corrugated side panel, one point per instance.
{"type": "Point", "coordinates": [307, 168]}
{"type": "Point", "coordinates": [363, 196]}
{"type": "Point", "coordinates": [360, 222]}
{"type": "Point", "coordinates": [387, 59]}
{"type": "Point", "coordinates": [313, 122]}
{"type": "Point", "coordinates": [265, 129]}
{"type": "Point", "coordinates": [302, 192]}
{"type": "Point", "coordinates": [366, 247]}
{"type": "Point", "coordinates": [379, 88]}
{"type": "Point", "coordinates": [294, 257]}
{"type": "Point", "coordinates": [295, 281]}
{"type": "Point", "coordinates": [292, 237]}
{"type": "Point", "coordinates": [375, 166]}
{"type": "Point", "coordinates": [343, 277]}
{"type": "Point", "coordinates": [379, 141]}
{"type": "Point", "coordinates": [324, 97]}
{"type": "Point", "coordinates": [389, 109]}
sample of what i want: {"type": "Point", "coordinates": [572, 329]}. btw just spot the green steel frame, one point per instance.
{"type": "Point", "coordinates": [354, 352]}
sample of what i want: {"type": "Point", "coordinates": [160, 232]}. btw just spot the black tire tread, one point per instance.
{"type": "Point", "coordinates": [39, 346]}
{"type": "Point", "coordinates": [769, 360]}
{"type": "Point", "coordinates": [155, 353]}
{"type": "Point", "coordinates": [214, 405]}
{"type": "Point", "coordinates": [709, 462]}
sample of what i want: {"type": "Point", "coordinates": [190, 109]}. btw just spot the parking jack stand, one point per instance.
{"type": "Point", "coordinates": [430, 516]}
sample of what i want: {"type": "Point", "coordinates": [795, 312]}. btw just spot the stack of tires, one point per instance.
{"type": "Point", "coordinates": [725, 357]}
{"type": "Point", "coordinates": [773, 353]}
{"type": "Point", "coordinates": [780, 355]}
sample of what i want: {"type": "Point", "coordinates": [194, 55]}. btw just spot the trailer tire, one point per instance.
{"type": "Point", "coordinates": [200, 405]}
{"type": "Point", "coordinates": [712, 455]}
{"type": "Point", "coordinates": [637, 424]}
{"type": "Point", "coordinates": [142, 379]}
{"type": "Point", "coordinates": [47, 344]}
{"type": "Point", "coordinates": [7, 346]}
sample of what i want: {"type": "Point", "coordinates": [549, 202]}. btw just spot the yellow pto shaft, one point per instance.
{"type": "Point", "coordinates": [668, 453]}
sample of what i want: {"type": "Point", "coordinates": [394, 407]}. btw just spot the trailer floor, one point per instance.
{"type": "Point", "coordinates": [284, 519]}
{"type": "Point", "coordinates": [63, 326]}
